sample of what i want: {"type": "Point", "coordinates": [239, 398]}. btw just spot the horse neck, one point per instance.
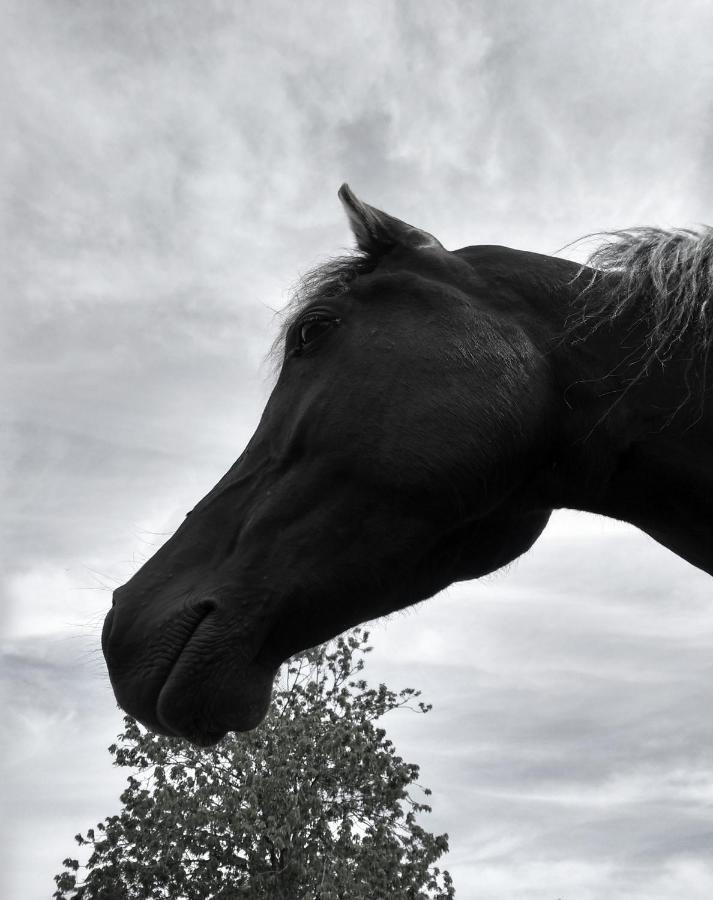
{"type": "Point", "coordinates": [639, 444]}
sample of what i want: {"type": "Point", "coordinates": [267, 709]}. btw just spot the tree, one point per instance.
{"type": "Point", "coordinates": [313, 804]}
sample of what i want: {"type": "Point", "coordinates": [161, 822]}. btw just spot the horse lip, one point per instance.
{"type": "Point", "coordinates": [200, 722]}
{"type": "Point", "coordinates": [206, 608]}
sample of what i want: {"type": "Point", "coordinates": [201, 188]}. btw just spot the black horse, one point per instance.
{"type": "Point", "coordinates": [433, 407]}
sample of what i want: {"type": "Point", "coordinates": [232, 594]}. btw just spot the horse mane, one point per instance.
{"type": "Point", "coordinates": [323, 282]}
{"type": "Point", "coordinates": [664, 277]}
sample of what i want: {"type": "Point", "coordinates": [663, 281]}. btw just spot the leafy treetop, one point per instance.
{"type": "Point", "coordinates": [314, 804]}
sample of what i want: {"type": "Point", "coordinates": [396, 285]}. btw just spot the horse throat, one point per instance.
{"type": "Point", "coordinates": [665, 487]}
{"type": "Point", "coordinates": [652, 464]}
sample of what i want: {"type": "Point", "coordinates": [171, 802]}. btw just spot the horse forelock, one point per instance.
{"type": "Point", "coordinates": [663, 277]}
{"type": "Point", "coordinates": [324, 282]}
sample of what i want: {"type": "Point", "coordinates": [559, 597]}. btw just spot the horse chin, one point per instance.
{"type": "Point", "coordinates": [203, 714]}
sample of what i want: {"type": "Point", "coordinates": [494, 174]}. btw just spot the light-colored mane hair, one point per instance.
{"type": "Point", "coordinates": [665, 279]}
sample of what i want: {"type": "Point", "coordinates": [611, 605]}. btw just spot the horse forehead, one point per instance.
{"type": "Point", "coordinates": [492, 279]}
{"type": "Point", "coordinates": [474, 267]}
{"type": "Point", "coordinates": [422, 275]}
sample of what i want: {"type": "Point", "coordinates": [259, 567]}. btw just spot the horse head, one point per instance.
{"type": "Point", "coordinates": [404, 447]}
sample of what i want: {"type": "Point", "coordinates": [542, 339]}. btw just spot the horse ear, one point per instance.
{"type": "Point", "coordinates": [377, 232]}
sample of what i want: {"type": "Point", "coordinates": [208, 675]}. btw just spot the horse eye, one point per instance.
{"type": "Point", "coordinates": [313, 328]}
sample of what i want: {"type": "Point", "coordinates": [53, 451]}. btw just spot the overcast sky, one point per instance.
{"type": "Point", "coordinates": [169, 169]}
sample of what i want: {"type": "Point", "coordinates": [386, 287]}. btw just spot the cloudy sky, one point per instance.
{"type": "Point", "coordinates": [169, 169]}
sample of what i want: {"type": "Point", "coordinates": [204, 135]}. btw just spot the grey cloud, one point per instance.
{"type": "Point", "coordinates": [167, 173]}
{"type": "Point", "coordinates": [59, 717]}
{"type": "Point", "coordinates": [561, 734]}
{"type": "Point", "coordinates": [583, 758]}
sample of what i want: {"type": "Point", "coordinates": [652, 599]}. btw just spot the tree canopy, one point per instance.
{"type": "Point", "coordinates": [315, 803]}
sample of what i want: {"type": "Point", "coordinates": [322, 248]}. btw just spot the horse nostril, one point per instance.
{"type": "Point", "coordinates": [206, 606]}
